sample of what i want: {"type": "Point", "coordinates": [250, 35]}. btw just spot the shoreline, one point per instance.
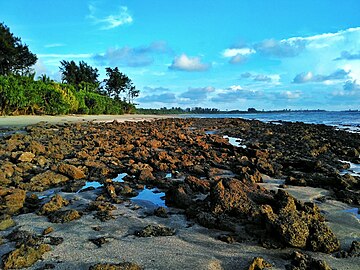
{"type": "Point", "coordinates": [25, 120]}
{"type": "Point", "coordinates": [214, 192]}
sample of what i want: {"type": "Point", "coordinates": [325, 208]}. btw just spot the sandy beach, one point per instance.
{"type": "Point", "coordinates": [25, 120]}
{"type": "Point", "coordinates": [113, 214]}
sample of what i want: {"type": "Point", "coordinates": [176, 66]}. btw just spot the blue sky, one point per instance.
{"type": "Point", "coordinates": [226, 54]}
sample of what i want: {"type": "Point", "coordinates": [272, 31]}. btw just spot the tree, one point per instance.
{"type": "Point", "coordinates": [15, 57]}
{"type": "Point", "coordinates": [118, 83]}
{"type": "Point", "coordinates": [76, 74]}
{"type": "Point", "coordinates": [133, 93]}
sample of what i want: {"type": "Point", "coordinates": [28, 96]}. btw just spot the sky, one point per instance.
{"type": "Point", "coordinates": [225, 54]}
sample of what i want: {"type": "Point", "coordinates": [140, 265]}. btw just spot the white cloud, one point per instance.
{"type": "Point", "coordinates": [306, 77]}
{"type": "Point", "coordinates": [236, 87]}
{"type": "Point", "coordinates": [185, 63]}
{"type": "Point", "coordinates": [290, 94]}
{"type": "Point", "coordinates": [54, 45]}
{"type": "Point", "coordinates": [234, 52]}
{"type": "Point", "coordinates": [109, 21]}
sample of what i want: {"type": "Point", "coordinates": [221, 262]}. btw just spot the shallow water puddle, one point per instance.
{"type": "Point", "coordinates": [152, 196]}
{"type": "Point", "coordinates": [94, 185]}
{"type": "Point", "coordinates": [120, 177]}
{"type": "Point", "coordinates": [354, 169]}
{"type": "Point", "coordinates": [211, 132]}
{"type": "Point", "coordinates": [235, 141]}
{"type": "Point", "coordinates": [354, 211]}
{"type": "Point", "coordinates": [46, 193]}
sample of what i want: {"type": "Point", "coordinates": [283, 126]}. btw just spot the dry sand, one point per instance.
{"type": "Point", "coordinates": [24, 120]}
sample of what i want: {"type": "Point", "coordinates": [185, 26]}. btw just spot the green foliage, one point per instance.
{"type": "Point", "coordinates": [82, 75]}
{"type": "Point", "coordinates": [15, 57]}
{"type": "Point", "coordinates": [23, 95]}
{"type": "Point", "coordinates": [118, 83]}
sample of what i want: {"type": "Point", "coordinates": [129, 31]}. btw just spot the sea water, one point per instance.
{"type": "Point", "coordinates": [349, 120]}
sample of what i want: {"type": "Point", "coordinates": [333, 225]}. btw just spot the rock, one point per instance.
{"type": "Point", "coordinates": [146, 174]}
{"type": "Point", "coordinates": [230, 239]}
{"type": "Point", "coordinates": [119, 266]}
{"type": "Point", "coordinates": [24, 256]}
{"type": "Point", "coordinates": [99, 241]}
{"type": "Point", "coordinates": [197, 184]}
{"type": "Point", "coordinates": [155, 230]}
{"type": "Point", "coordinates": [55, 241]}
{"type": "Point", "coordinates": [48, 230]}
{"type": "Point", "coordinates": [354, 250]}
{"type": "Point", "coordinates": [229, 196]}
{"type": "Point", "coordinates": [64, 216]}
{"type": "Point", "coordinates": [293, 229]}
{"type": "Point", "coordinates": [36, 148]}
{"type": "Point", "coordinates": [301, 261]}
{"type": "Point", "coordinates": [71, 171]}
{"type": "Point", "coordinates": [322, 239]}
{"type": "Point", "coordinates": [55, 204]}
{"type": "Point", "coordinates": [178, 197]}
{"type": "Point", "coordinates": [26, 157]}
{"type": "Point", "coordinates": [161, 212]}
{"type": "Point", "coordinates": [259, 263]}
{"type": "Point", "coordinates": [6, 222]}
{"type": "Point", "coordinates": [44, 181]}
{"type": "Point", "coordinates": [11, 200]}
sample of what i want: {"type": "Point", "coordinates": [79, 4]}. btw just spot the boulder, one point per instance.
{"type": "Point", "coordinates": [11, 200]}
{"type": "Point", "coordinates": [55, 204]}
{"type": "Point", "coordinates": [6, 222]}
{"type": "Point", "coordinates": [229, 196]}
{"type": "Point", "coordinates": [64, 216]}
{"type": "Point", "coordinates": [259, 263]}
{"type": "Point", "coordinates": [155, 230]}
{"type": "Point", "coordinates": [71, 171]}
{"type": "Point", "coordinates": [322, 239]}
{"type": "Point", "coordinates": [119, 266]}
{"type": "Point", "coordinates": [178, 197]}
{"type": "Point", "coordinates": [197, 184]}
{"type": "Point", "coordinates": [44, 181]}
{"type": "Point", "coordinates": [26, 157]}
{"type": "Point", "coordinates": [24, 256]}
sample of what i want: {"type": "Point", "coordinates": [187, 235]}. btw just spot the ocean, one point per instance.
{"type": "Point", "coordinates": [348, 120]}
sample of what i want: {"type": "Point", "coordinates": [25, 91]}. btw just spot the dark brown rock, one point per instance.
{"type": "Point", "coordinates": [64, 216]}
{"type": "Point", "coordinates": [197, 184]}
{"type": "Point", "coordinates": [11, 200]}
{"type": "Point", "coordinates": [155, 230]}
{"type": "Point", "coordinates": [55, 204]}
{"type": "Point", "coordinates": [119, 266]}
{"type": "Point", "coordinates": [44, 181]}
{"type": "Point", "coordinates": [71, 171]}
{"type": "Point", "coordinates": [6, 222]}
{"type": "Point", "coordinates": [229, 196]}
{"type": "Point", "coordinates": [259, 263]}
{"type": "Point", "coordinates": [179, 197]}
{"type": "Point", "coordinates": [301, 261]}
{"type": "Point", "coordinates": [24, 256]}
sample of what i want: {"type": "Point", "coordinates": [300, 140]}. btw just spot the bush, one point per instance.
{"type": "Point", "coordinates": [23, 95]}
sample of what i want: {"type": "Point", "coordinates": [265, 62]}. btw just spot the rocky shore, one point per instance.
{"type": "Point", "coordinates": [219, 213]}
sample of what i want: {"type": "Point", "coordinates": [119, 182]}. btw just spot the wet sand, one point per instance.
{"type": "Point", "coordinates": [192, 247]}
